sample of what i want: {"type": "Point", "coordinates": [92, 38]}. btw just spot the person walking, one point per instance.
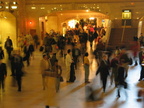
{"type": "Point", "coordinates": [1, 53]}
{"type": "Point", "coordinates": [9, 46]}
{"type": "Point", "coordinates": [121, 76]}
{"type": "Point", "coordinates": [44, 65]}
{"type": "Point", "coordinates": [3, 74]}
{"type": "Point", "coordinates": [17, 65]}
{"type": "Point", "coordinates": [104, 71]}
{"type": "Point", "coordinates": [58, 70]}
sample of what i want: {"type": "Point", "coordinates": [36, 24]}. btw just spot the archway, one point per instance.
{"type": "Point", "coordinates": [141, 26]}
{"type": "Point", "coordinates": [56, 20]}
{"type": "Point", "coordinates": [7, 27]}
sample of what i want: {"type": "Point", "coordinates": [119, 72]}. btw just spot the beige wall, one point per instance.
{"type": "Point", "coordinates": [8, 28]}
{"type": "Point", "coordinates": [52, 23]}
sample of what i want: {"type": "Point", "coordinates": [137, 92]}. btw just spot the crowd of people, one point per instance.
{"type": "Point", "coordinates": [114, 63]}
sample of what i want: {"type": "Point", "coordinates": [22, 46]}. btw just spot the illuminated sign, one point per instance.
{"type": "Point", "coordinates": [126, 14]}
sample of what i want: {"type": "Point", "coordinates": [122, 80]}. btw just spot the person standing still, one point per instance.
{"type": "Point", "coordinates": [86, 67]}
{"type": "Point", "coordinates": [68, 65]}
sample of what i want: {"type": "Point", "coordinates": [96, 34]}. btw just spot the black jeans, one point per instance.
{"type": "Point", "coordinates": [2, 83]}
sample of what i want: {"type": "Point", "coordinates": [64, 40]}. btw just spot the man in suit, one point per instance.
{"type": "Point", "coordinates": [3, 73]}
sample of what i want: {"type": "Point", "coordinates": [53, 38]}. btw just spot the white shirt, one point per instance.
{"type": "Point", "coordinates": [68, 60]}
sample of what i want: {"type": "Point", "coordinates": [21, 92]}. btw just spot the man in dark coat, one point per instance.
{"type": "Point", "coordinates": [104, 71]}
{"type": "Point", "coordinates": [9, 46]}
{"type": "Point", "coordinates": [3, 73]}
{"type": "Point", "coordinates": [121, 78]}
{"type": "Point", "coordinates": [17, 64]}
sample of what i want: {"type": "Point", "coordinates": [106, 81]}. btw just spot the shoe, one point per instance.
{"type": "Point", "coordinates": [68, 81]}
{"type": "Point", "coordinates": [46, 106]}
{"type": "Point", "coordinates": [118, 96]}
{"type": "Point", "coordinates": [87, 82]}
{"type": "Point", "coordinates": [139, 80]}
{"type": "Point", "coordinates": [19, 90]}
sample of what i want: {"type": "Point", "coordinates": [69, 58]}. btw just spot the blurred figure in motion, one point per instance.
{"type": "Point", "coordinates": [9, 46]}
{"type": "Point", "coordinates": [123, 57]}
{"type": "Point", "coordinates": [135, 48]}
{"type": "Point", "coordinates": [58, 70]}
{"type": "Point", "coordinates": [141, 62]}
{"type": "Point", "coordinates": [3, 74]}
{"type": "Point", "coordinates": [121, 78]}
{"type": "Point", "coordinates": [17, 65]}
{"type": "Point", "coordinates": [104, 71]}
{"type": "Point", "coordinates": [114, 65]}
{"type": "Point", "coordinates": [1, 53]}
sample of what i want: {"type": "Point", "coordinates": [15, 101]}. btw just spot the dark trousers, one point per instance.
{"type": "Point", "coordinates": [75, 61]}
{"type": "Point", "coordinates": [12, 69]}
{"type": "Point", "coordinates": [2, 83]}
{"type": "Point", "coordinates": [19, 81]}
{"type": "Point", "coordinates": [104, 81]}
{"type": "Point", "coordinates": [142, 73]}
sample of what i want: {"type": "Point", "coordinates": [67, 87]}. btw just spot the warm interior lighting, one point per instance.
{"type": "Point", "coordinates": [42, 7]}
{"type": "Point", "coordinates": [91, 18]}
{"type": "Point", "coordinates": [33, 7]}
{"type": "Point", "coordinates": [30, 22]}
{"type": "Point", "coordinates": [14, 3]}
{"type": "Point", "coordinates": [46, 18]}
{"type": "Point", "coordinates": [87, 10]}
{"type": "Point", "coordinates": [1, 7]}
{"type": "Point", "coordinates": [72, 23]}
{"type": "Point", "coordinates": [14, 7]}
{"type": "Point", "coordinates": [7, 7]}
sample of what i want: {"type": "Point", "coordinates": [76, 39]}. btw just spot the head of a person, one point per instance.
{"type": "Point", "coordinates": [86, 54]}
{"type": "Point", "coordinates": [56, 62]}
{"type": "Point", "coordinates": [123, 49]}
{"type": "Point", "coordinates": [45, 57]}
{"type": "Point", "coordinates": [104, 57]}
{"type": "Point", "coordinates": [68, 51]}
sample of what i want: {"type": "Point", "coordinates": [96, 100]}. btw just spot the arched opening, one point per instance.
{"type": "Point", "coordinates": [141, 26]}
{"type": "Point", "coordinates": [7, 27]}
{"type": "Point", "coordinates": [61, 20]}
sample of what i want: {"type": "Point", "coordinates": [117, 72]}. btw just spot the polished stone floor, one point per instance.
{"type": "Point", "coordinates": [71, 95]}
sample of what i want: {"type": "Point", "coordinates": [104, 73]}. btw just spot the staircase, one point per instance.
{"type": "Point", "coordinates": [116, 36]}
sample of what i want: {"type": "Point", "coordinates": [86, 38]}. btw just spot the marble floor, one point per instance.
{"type": "Point", "coordinates": [71, 95]}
